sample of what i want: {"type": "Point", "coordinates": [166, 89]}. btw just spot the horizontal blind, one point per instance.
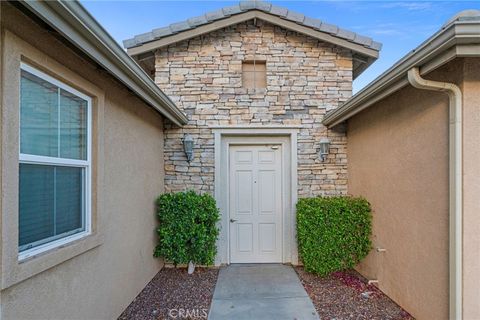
{"type": "Point", "coordinates": [38, 116]}
{"type": "Point", "coordinates": [52, 195]}
{"type": "Point", "coordinates": [69, 199]}
{"type": "Point", "coordinates": [51, 203]}
{"type": "Point", "coordinates": [73, 126]}
{"type": "Point", "coordinates": [36, 203]}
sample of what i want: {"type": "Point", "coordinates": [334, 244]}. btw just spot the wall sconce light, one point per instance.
{"type": "Point", "coordinates": [188, 146]}
{"type": "Point", "coordinates": [324, 148]}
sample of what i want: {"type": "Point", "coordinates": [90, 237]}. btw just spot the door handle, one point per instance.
{"type": "Point", "coordinates": [233, 220]}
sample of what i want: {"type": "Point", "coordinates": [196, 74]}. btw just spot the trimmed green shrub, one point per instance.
{"type": "Point", "coordinates": [333, 233]}
{"type": "Point", "coordinates": [187, 230]}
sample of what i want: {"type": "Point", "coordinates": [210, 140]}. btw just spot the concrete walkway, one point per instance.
{"type": "Point", "coordinates": [260, 291]}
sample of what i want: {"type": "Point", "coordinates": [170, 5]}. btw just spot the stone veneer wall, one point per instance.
{"type": "Point", "coordinates": [305, 79]}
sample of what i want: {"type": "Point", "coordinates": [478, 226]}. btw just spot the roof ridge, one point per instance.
{"type": "Point", "coordinates": [244, 6]}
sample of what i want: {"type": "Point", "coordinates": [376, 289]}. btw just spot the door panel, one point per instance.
{"type": "Point", "coordinates": [245, 237]}
{"type": "Point", "coordinates": [255, 197]}
{"type": "Point", "coordinates": [267, 237]}
{"type": "Point", "coordinates": [266, 179]}
{"type": "Point", "coordinates": [244, 187]}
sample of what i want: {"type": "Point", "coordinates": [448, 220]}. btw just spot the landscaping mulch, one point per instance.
{"type": "Point", "coordinates": [173, 291]}
{"type": "Point", "coordinates": [346, 295]}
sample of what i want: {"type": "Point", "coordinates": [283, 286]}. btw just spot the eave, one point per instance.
{"type": "Point", "coordinates": [76, 25]}
{"type": "Point", "coordinates": [459, 39]}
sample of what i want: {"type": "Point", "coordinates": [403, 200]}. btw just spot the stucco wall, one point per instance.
{"type": "Point", "coordinates": [305, 79]}
{"type": "Point", "coordinates": [471, 188]}
{"type": "Point", "coordinates": [398, 160]}
{"type": "Point", "coordinates": [99, 283]}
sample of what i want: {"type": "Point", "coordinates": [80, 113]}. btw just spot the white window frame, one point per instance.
{"type": "Point", "coordinates": [46, 160]}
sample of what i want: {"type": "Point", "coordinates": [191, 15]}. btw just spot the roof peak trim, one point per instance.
{"type": "Point", "coordinates": [246, 6]}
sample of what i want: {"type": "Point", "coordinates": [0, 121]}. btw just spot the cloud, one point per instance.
{"type": "Point", "coordinates": [410, 5]}
{"type": "Point", "coordinates": [351, 6]}
{"type": "Point", "coordinates": [404, 30]}
{"type": "Point", "coordinates": [367, 5]}
{"type": "Point", "coordinates": [387, 32]}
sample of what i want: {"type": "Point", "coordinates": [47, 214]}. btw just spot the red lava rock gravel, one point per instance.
{"type": "Point", "coordinates": [339, 296]}
{"type": "Point", "coordinates": [172, 291]}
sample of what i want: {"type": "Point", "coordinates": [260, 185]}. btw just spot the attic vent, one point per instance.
{"type": "Point", "coordinates": [254, 74]}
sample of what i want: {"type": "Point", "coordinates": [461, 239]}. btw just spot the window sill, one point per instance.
{"type": "Point", "coordinates": [251, 91]}
{"type": "Point", "coordinates": [59, 243]}
{"type": "Point", "coordinates": [258, 91]}
{"type": "Point", "coordinates": [19, 270]}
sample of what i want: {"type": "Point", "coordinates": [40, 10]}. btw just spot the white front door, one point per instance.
{"type": "Point", "coordinates": [255, 202]}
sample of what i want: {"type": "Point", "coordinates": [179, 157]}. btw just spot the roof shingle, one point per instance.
{"type": "Point", "coordinates": [244, 6]}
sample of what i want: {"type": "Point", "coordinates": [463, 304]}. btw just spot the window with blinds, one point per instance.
{"type": "Point", "coordinates": [54, 168]}
{"type": "Point", "coordinates": [254, 74]}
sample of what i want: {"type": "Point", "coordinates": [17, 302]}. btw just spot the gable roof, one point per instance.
{"type": "Point", "coordinates": [365, 49]}
{"type": "Point", "coordinates": [459, 37]}
{"type": "Point", "coordinates": [75, 24]}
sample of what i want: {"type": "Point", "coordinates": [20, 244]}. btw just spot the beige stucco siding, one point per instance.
{"type": "Point", "coordinates": [471, 189]}
{"type": "Point", "coordinates": [128, 170]}
{"type": "Point", "coordinates": [398, 160]}
{"type": "Point", "coordinates": [100, 283]}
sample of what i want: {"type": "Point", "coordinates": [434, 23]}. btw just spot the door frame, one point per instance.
{"type": "Point", "coordinates": [287, 137]}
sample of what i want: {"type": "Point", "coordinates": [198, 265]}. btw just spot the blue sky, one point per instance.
{"type": "Point", "coordinates": [399, 25]}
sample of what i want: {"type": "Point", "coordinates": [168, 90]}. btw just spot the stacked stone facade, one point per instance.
{"type": "Point", "coordinates": [305, 79]}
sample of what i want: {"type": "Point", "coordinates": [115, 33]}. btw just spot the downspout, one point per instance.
{"type": "Point", "coordinates": [455, 184]}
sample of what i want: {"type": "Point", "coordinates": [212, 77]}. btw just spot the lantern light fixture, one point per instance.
{"type": "Point", "coordinates": [188, 146]}
{"type": "Point", "coordinates": [324, 148]}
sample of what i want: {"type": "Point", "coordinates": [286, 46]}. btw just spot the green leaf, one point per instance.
{"type": "Point", "coordinates": [187, 228]}
{"type": "Point", "coordinates": [333, 233]}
